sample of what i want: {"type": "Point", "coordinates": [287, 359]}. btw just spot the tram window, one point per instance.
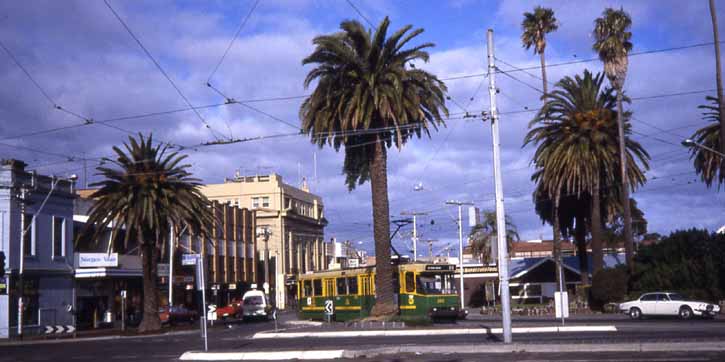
{"type": "Point", "coordinates": [352, 285]}
{"type": "Point", "coordinates": [307, 288]}
{"type": "Point", "coordinates": [341, 286]}
{"type": "Point", "coordinates": [317, 287]}
{"type": "Point", "coordinates": [409, 282]}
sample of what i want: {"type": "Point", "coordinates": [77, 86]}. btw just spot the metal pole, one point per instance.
{"type": "Point", "coordinates": [415, 240]}
{"type": "Point", "coordinates": [460, 255]}
{"type": "Point", "coordinates": [561, 293]}
{"type": "Point", "coordinates": [203, 300]}
{"type": "Point", "coordinates": [21, 287]}
{"type": "Point", "coordinates": [503, 271]}
{"type": "Point", "coordinates": [172, 246]}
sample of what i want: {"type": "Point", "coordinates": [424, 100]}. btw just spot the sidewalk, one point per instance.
{"type": "Point", "coordinates": [319, 354]}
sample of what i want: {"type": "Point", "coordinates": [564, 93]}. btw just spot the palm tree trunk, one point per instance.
{"type": "Point", "coordinates": [596, 221]}
{"type": "Point", "coordinates": [384, 293]}
{"type": "Point", "coordinates": [149, 259]}
{"type": "Point", "coordinates": [543, 74]}
{"type": "Point", "coordinates": [580, 236]}
{"type": "Point", "coordinates": [557, 239]}
{"type": "Point", "coordinates": [718, 75]}
{"type": "Point", "coordinates": [628, 241]}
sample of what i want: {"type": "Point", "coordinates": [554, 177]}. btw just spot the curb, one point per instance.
{"type": "Point", "coordinates": [92, 339]}
{"type": "Point", "coordinates": [458, 349]}
{"type": "Point", "coordinates": [431, 332]}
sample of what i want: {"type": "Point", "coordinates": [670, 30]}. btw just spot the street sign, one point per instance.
{"type": "Point", "coordinates": [189, 259]}
{"type": "Point", "coordinates": [162, 270]}
{"type": "Point", "coordinates": [211, 313]}
{"type": "Point", "coordinates": [329, 307]}
{"type": "Point", "coordinates": [561, 302]}
{"type": "Point", "coordinates": [58, 329]}
{"type": "Point", "coordinates": [353, 263]}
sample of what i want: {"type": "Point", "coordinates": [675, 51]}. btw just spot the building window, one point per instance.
{"type": "Point", "coordinates": [265, 201]}
{"type": "Point", "coordinates": [58, 236]}
{"type": "Point", "coordinates": [29, 236]}
{"type": "Point", "coordinates": [255, 202]}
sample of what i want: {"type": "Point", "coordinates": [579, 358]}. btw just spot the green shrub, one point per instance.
{"type": "Point", "coordinates": [608, 286]}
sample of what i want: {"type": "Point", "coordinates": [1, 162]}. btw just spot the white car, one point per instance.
{"type": "Point", "coordinates": [667, 304]}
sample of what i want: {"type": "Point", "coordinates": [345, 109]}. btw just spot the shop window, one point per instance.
{"type": "Point", "coordinates": [317, 287]}
{"type": "Point", "coordinates": [352, 285]}
{"type": "Point", "coordinates": [409, 282]}
{"type": "Point", "coordinates": [341, 286]}
{"type": "Point", "coordinates": [58, 236]}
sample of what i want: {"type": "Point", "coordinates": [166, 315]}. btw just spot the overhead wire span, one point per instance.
{"type": "Point", "coordinates": [236, 35]}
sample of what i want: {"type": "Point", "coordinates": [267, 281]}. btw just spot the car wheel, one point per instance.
{"type": "Point", "coordinates": [635, 313]}
{"type": "Point", "coordinates": [685, 312]}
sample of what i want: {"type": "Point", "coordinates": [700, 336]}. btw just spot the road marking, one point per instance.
{"type": "Point", "coordinates": [431, 332]}
{"type": "Point", "coordinates": [261, 356]}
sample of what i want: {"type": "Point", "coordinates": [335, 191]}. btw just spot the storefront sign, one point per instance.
{"type": "Point", "coordinates": [232, 287]}
{"type": "Point", "coordinates": [440, 267]}
{"type": "Point", "coordinates": [162, 270]}
{"type": "Point", "coordinates": [189, 259]}
{"type": "Point", "coordinates": [94, 260]}
{"type": "Point", "coordinates": [480, 269]}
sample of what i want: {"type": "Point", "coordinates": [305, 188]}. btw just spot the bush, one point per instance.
{"type": "Point", "coordinates": [608, 286]}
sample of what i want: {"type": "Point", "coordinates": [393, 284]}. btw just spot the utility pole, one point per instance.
{"type": "Point", "coordinates": [503, 271]}
{"type": "Point", "coordinates": [266, 233]}
{"type": "Point", "coordinates": [172, 246]}
{"type": "Point", "coordinates": [415, 230]}
{"type": "Point", "coordinates": [460, 244]}
{"type": "Point", "coordinates": [21, 287]}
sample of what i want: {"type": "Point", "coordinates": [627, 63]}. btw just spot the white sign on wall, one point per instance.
{"type": "Point", "coordinates": [93, 260]}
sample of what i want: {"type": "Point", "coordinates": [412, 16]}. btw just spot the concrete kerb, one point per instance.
{"type": "Point", "coordinates": [457, 349]}
{"type": "Point", "coordinates": [430, 332]}
{"type": "Point", "coordinates": [91, 339]}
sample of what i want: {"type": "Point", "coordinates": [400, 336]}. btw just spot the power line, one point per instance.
{"type": "Point", "coordinates": [239, 30]}
{"type": "Point", "coordinates": [158, 66]}
{"type": "Point", "coordinates": [360, 13]}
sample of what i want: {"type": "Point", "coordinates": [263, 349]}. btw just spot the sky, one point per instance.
{"type": "Point", "coordinates": [85, 61]}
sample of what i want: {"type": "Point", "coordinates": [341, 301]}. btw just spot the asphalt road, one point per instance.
{"type": "Point", "coordinates": [237, 338]}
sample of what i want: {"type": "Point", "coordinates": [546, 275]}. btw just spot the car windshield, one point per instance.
{"type": "Point", "coordinates": [436, 283]}
{"type": "Point", "coordinates": [675, 296]}
{"type": "Point", "coordinates": [254, 300]}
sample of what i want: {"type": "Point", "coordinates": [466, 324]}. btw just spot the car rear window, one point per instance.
{"type": "Point", "coordinates": [253, 300]}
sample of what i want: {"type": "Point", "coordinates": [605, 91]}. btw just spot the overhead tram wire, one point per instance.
{"type": "Point", "coordinates": [236, 35]}
{"type": "Point", "coordinates": [161, 69]}
{"type": "Point", "coordinates": [360, 13]}
{"type": "Point", "coordinates": [230, 100]}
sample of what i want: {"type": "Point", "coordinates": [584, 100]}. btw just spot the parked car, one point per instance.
{"type": "Point", "coordinates": [668, 304]}
{"type": "Point", "coordinates": [231, 310]}
{"type": "Point", "coordinates": [178, 313]}
{"type": "Point", "coordinates": [255, 305]}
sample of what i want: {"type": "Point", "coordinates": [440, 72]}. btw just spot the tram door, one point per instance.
{"type": "Point", "coordinates": [366, 294]}
{"type": "Point", "coordinates": [329, 287]}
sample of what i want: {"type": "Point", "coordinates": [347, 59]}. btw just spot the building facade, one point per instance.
{"type": "Point", "coordinates": [289, 229]}
{"type": "Point", "coordinates": [36, 236]}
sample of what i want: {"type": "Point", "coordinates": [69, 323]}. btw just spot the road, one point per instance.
{"type": "Point", "coordinates": [237, 338]}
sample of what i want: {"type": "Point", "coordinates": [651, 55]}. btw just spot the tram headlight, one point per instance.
{"type": "Point", "coordinates": [435, 309]}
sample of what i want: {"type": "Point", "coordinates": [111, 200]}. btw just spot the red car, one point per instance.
{"type": "Point", "coordinates": [178, 313]}
{"type": "Point", "coordinates": [231, 310]}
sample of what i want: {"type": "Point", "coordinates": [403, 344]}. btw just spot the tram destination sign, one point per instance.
{"type": "Point", "coordinates": [440, 267]}
{"type": "Point", "coordinates": [479, 269]}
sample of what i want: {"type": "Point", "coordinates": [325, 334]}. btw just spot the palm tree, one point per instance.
{"type": "Point", "coordinates": [612, 35]}
{"type": "Point", "coordinates": [148, 191]}
{"type": "Point", "coordinates": [366, 100]}
{"type": "Point", "coordinates": [535, 27]}
{"type": "Point", "coordinates": [718, 75]}
{"type": "Point", "coordinates": [709, 165]}
{"type": "Point", "coordinates": [576, 155]}
{"type": "Point", "coordinates": [483, 234]}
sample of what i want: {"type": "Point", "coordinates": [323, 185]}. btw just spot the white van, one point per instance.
{"type": "Point", "coordinates": [255, 305]}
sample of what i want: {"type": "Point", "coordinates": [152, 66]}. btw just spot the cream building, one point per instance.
{"type": "Point", "coordinates": [294, 220]}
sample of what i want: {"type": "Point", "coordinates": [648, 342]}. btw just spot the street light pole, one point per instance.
{"type": "Point", "coordinates": [460, 245]}
{"type": "Point", "coordinates": [415, 230]}
{"type": "Point", "coordinates": [503, 271]}
{"type": "Point", "coordinates": [690, 143]}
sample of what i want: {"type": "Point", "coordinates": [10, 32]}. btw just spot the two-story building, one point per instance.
{"type": "Point", "coordinates": [290, 226]}
{"type": "Point", "coordinates": [36, 235]}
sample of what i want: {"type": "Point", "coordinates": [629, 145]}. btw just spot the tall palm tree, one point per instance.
{"type": "Point", "coordinates": [148, 191]}
{"type": "Point", "coordinates": [535, 27]}
{"type": "Point", "coordinates": [483, 234]}
{"type": "Point", "coordinates": [718, 75]}
{"type": "Point", "coordinates": [709, 165]}
{"type": "Point", "coordinates": [576, 139]}
{"type": "Point", "coordinates": [612, 43]}
{"type": "Point", "coordinates": [366, 100]}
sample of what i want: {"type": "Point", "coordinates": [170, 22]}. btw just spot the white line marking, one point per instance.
{"type": "Point", "coordinates": [431, 332]}
{"type": "Point", "coordinates": [261, 356]}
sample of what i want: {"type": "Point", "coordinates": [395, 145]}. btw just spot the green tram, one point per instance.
{"type": "Point", "coordinates": [423, 291]}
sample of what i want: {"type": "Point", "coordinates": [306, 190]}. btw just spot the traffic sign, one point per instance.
{"type": "Point", "coordinates": [59, 329]}
{"type": "Point", "coordinates": [329, 307]}
{"type": "Point", "coordinates": [189, 259]}
{"type": "Point", "coordinates": [211, 313]}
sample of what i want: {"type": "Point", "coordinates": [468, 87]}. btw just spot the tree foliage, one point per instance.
{"type": "Point", "coordinates": [484, 234]}
{"type": "Point", "coordinates": [709, 165]}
